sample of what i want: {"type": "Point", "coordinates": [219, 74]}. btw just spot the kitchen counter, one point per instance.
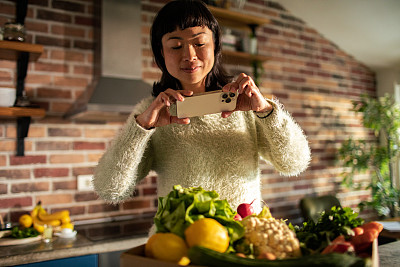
{"type": "Point", "coordinates": [389, 254]}
{"type": "Point", "coordinates": [94, 238]}
{"type": "Point", "coordinates": [107, 237]}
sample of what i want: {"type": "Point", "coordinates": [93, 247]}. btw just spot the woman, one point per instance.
{"type": "Point", "coordinates": [217, 152]}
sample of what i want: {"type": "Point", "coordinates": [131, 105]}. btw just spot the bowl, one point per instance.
{"type": "Point", "coordinates": [7, 97]}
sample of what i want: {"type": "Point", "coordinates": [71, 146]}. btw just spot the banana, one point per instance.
{"type": "Point", "coordinates": [38, 222]}
{"type": "Point", "coordinates": [59, 215]}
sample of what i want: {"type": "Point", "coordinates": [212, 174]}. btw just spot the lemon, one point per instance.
{"type": "Point", "coordinates": [207, 233]}
{"type": "Point", "coordinates": [25, 221]}
{"type": "Point", "coordinates": [148, 252]}
{"type": "Point", "coordinates": [168, 247]}
{"type": "Point", "coordinates": [65, 219]}
{"type": "Point", "coordinates": [67, 225]}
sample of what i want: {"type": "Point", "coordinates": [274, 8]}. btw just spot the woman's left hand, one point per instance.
{"type": "Point", "coordinates": [249, 95]}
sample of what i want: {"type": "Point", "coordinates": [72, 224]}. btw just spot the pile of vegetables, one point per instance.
{"type": "Point", "coordinates": [196, 218]}
{"type": "Point", "coordinates": [183, 206]}
{"type": "Point", "coordinates": [17, 232]}
{"type": "Point", "coordinates": [315, 236]}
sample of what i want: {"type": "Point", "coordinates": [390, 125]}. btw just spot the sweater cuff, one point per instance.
{"type": "Point", "coordinates": [263, 115]}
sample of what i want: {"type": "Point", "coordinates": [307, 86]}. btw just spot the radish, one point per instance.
{"type": "Point", "coordinates": [245, 209]}
{"type": "Point", "coordinates": [237, 217]}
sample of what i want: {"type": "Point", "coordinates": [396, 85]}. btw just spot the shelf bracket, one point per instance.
{"type": "Point", "coordinates": [22, 132]}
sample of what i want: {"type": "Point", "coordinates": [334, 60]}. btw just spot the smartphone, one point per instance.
{"type": "Point", "coordinates": [206, 103]}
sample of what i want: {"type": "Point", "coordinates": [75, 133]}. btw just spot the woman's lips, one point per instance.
{"type": "Point", "coordinates": [190, 69]}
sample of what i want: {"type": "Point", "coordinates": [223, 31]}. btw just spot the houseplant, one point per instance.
{"type": "Point", "coordinates": [382, 115]}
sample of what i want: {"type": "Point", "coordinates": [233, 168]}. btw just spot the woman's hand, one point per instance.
{"type": "Point", "coordinates": [249, 96]}
{"type": "Point", "coordinates": [157, 114]}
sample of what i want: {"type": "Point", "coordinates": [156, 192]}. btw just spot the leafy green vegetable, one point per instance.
{"type": "Point", "coordinates": [183, 206]}
{"type": "Point", "coordinates": [16, 232]}
{"type": "Point", "coordinates": [331, 224]}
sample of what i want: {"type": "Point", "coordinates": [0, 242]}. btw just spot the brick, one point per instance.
{"type": "Point", "coordinates": [33, 26]}
{"type": "Point", "coordinates": [79, 44]}
{"type": "Point", "coordinates": [86, 196]}
{"type": "Point", "coordinates": [66, 158]}
{"type": "Point", "coordinates": [65, 185]}
{"type": "Point", "coordinates": [53, 93]}
{"type": "Point", "coordinates": [29, 187]}
{"type": "Point", "coordinates": [50, 172]}
{"type": "Point", "coordinates": [102, 208]}
{"type": "Point", "coordinates": [8, 145]}
{"type": "Point", "coordinates": [136, 204]}
{"type": "Point", "coordinates": [81, 20]}
{"type": "Point", "coordinates": [82, 171]}
{"type": "Point", "coordinates": [15, 173]}
{"type": "Point", "coordinates": [99, 133]}
{"type": "Point", "coordinates": [48, 67]}
{"type": "Point", "coordinates": [68, 6]}
{"type": "Point", "coordinates": [53, 145]}
{"type": "Point", "coordinates": [3, 160]}
{"type": "Point", "coordinates": [3, 189]}
{"type": "Point", "coordinates": [7, 8]}
{"type": "Point", "coordinates": [71, 56]}
{"type": "Point", "coordinates": [83, 70]}
{"type": "Point", "coordinates": [81, 145]}
{"type": "Point", "coordinates": [70, 81]}
{"type": "Point", "coordinates": [53, 41]}
{"type": "Point", "coordinates": [14, 160]}
{"type": "Point", "coordinates": [38, 78]}
{"type": "Point", "coordinates": [36, 131]}
{"type": "Point", "coordinates": [60, 107]}
{"type": "Point", "coordinates": [64, 132]}
{"type": "Point", "coordinates": [68, 31]}
{"type": "Point", "coordinates": [94, 157]}
{"type": "Point", "coordinates": [54, 199]}
{"type": "Point", "coordinates": [53, 16]}
{"type": "Point", "coordinates": [16, 202]}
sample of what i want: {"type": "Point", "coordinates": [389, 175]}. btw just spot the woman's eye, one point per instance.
{"type": "Point", "coordinates": [176, 47]}
{"type": "Point", "coordinates": [200, 45]}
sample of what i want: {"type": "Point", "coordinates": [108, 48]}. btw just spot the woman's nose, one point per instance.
{"type": "Point", "coordinates": [189, 53]}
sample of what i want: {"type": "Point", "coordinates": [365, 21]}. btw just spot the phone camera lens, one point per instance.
{"type": "Point", "coordinates": [228, 100]}
{"type": "Point", "coordinates": [224, 95]}
{"type": "Point", "coordinates": [232, 94]}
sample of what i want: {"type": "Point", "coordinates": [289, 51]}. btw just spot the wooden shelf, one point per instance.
{"type": "Point", "coordinates": [15, 112]}
{"type": "Point", "coordinates": [10, 50]}
{"type": "Point", "coordinates": [233, 18]}
{"type": "Point", "coordinates": [244, 56]}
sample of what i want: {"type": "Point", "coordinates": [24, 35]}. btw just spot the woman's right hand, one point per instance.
{"type": "Point", "coordinates": [157, 114]}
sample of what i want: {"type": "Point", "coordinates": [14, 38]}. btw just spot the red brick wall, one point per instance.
{"type": "Point", "coordinates": [311, 76]}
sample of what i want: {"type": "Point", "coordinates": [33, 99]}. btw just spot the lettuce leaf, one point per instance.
{"type": "Point", "coordinates": [183, 206]}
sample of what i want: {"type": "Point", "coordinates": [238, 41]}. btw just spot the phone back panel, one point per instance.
{"type": "Point", "coordinates": [206, 103]}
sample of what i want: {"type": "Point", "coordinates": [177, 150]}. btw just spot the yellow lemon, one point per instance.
{"type": "Point", "coordinates": [25, 221]}
{"type": "Point", "coordinates": [67, 225]}
{"type": "Point", "coordinates": [148, 251]}
{"type": "Point", "coordinates": [65, 219]}
{"type": "Point", "coordinates": [207, 233]}
{"type": "Point", "coordinates": [168, 247]}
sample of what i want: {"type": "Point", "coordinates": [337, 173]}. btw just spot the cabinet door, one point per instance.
{"type": "Point", "coordinates": [87, 261]}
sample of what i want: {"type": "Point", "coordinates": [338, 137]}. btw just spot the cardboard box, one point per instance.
{"type": "Point", "coordinates": [135, 257]}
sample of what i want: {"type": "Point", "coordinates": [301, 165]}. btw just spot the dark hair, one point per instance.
{"type": "Point", "coordinates": [185, 14]}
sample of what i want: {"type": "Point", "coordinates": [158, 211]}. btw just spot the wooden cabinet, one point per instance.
{"type": "Point", "coordinates": [22, 53]}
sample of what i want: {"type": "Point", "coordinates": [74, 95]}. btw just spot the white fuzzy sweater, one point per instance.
{"type": "Point", "coordinates": [216, 153]}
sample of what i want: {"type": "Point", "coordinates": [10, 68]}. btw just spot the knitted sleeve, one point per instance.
{"type": "Point", "coordinates": [282, 142]}
{"type": "Point", "coordinates": [125, 162]}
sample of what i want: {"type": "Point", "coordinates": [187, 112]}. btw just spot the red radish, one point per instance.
{"type": "Point", "coordinates": [237, 217]}
{"type": "Point", "coordinates": [245, 209]}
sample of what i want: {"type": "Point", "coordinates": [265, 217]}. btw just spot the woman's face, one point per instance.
{"type": "Point", "coordinates": [189, 56]}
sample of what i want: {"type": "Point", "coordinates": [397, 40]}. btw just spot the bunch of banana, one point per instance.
{"type": "Point", "coordinates": [40, 218]}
